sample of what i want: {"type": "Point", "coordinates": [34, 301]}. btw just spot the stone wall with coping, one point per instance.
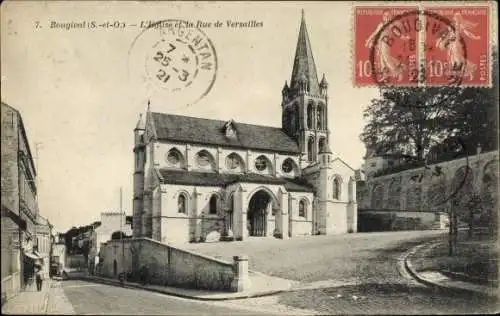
{"type": "Point", "coordinates": [166, 265]}
{"type": "Point", "coordinates": [399, 220]}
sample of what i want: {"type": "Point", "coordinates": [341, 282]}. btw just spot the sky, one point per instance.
{"type": "Point", "coordinates": [80, 100]}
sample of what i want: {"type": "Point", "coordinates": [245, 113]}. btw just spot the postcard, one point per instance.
{"type": "Point", "coordinates": [244, 157]}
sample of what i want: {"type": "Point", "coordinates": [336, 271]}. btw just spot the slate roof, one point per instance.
{"type": "Point", "coordinates": [225, 179]}
{"type": "Point", "coordinates": [211, 132]}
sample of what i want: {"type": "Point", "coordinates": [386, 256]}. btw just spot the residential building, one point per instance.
{"type": "Point", "coordinates": [19, 205]}
{"type": "Point", "coordinates": [58, 258]}
{"type": "Point", "coordinates": [100, 232]}
{"type": "Point", "coordinates": [204, 180]}
{"type": "Point", "coordinates": [43, 242]}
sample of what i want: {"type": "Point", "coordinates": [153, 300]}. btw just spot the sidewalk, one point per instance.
{"type": "Point", "coordinates": [261, 285]}
{"type": "Point", "coordinates": [29, 301]}
{"type": "Point", "coordinates": [417, 264]}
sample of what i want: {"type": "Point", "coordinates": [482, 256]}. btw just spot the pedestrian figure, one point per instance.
{"type": "Point", "coordinates": [39, 279]}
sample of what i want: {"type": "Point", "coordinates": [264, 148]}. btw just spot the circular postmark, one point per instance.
{"type": "Point", "coordinates": [403, 51]}
{"type": "Point", "coordinates": [175, 59]}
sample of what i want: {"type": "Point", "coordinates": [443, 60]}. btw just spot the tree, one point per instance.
{"type": "Point", "coordinates": [410, 122]}
{"type": "Point", "coordinates": [407, 121]}
{"type": "Point", "coordinates": [419, 124]}
{"type": "Point", "coordinates": [479, 110]}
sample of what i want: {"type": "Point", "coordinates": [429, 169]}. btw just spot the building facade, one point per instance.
{"type": "Point", "coordinates": [111, 222]}
{"type": "Point", "coordinates": [19, 205]}
{"type": "Point", "coordinates": [43, 243]}
{"type": "Point", "coordinates": [58, 258]}
{"type": "Point", "coordinates": [202, 180]}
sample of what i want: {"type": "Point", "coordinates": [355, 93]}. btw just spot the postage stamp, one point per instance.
{"type": "Point", "coordinates": [459, 50]}
{"type": "Point", "coordinates": [385, 48]}
{"type": "Point", "coordinates": [176, 58]}
{"type": "Point", "coordinates": [428, 46]}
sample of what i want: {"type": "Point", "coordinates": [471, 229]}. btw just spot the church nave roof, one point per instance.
{"type": "Point", "coordinates": [188, 129]}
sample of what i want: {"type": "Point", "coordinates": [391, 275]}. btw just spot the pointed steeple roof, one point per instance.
{"type": "Point", "coordinates": [141, 124]}
{"type": "Point", "coordinates": [323, 82]}
{"type": "Point", "coordinates": [303, 65]}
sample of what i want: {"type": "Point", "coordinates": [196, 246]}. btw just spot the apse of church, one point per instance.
{"type": "Point", "coordinates": [201, 180]}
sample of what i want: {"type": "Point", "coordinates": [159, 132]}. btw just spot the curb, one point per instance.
{"type": "Point", "coordinates": [411, 270]}
{"type": "Point", "coordinates": [177, 294]}
{"type": "Point", "coordinates": [45, 303]}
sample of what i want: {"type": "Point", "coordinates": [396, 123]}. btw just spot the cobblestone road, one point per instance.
{"type": "Point", "coordinates": [367, 266]}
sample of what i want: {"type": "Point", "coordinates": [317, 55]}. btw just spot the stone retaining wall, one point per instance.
{"type": "Point", "coordinates": [162, 264]}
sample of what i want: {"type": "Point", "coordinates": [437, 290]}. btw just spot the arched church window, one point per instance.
{"type": "Point", "coordinates": [174, 158]}
{"type": "Point", "coordinates": [293, 120]}
{"type": "Point", "coordinates": [310, 149]}
{"type": "Point", "coordinates": [287, 165]}
{"type": "Point", "coordinates": [320, 117]}
{"type": "Point", "coordinates": [213, 204]}
{"type": "Point", "coordinates": [302, 208]}
{"type": "Point", "coordinates": [203, 158]}
{"type": "Point", "coordinates": [182, 204]}
{"type": "Point", "coordinates": [233, 161]}
{"type": "Point", "coordinates": [309, 115]}
{"type": "Point", "coordinates": [286, 120]}
{"type": "Point", "coordinates": [322, 143]}
{"type": "Point", "coordinates": [261, 163]}
{"type": "Point", "coordinates": [336, 188]}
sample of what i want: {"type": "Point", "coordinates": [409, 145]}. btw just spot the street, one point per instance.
{"type": "Point", "coordinates": [360, 274]}
{"type": "Point", "coordinates": [364, 268]}
{"type": "Point", "coordinates": [93, 298]}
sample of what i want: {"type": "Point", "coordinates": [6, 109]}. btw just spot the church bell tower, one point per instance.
{"type": "Point", "coordinates": [305, 102]}
{"type": "Point", "coordinates": [139, 162]}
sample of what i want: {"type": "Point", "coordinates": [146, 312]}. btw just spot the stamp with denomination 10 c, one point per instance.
{"type": "Point", "coordinates": [385, 48]}
{"type": "Point", "coordinates": [428, 46]}
{"type": "Point", "coordinates": [461, 48]}
{"type": "Point", "coordinates": [176, 59]}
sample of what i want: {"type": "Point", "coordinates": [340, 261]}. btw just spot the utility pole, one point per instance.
{"type": "Point", "coordinates": [121, 232]}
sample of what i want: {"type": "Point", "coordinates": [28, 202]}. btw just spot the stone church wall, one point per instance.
{"type": "Point", "coordinates": [301, 225]}
{"type": "Point", "coordinates": [197, 223]}
{"type": "Point", "coordinates": [336, 218]}
{"type": "Point", "coordinates": [220, 154]}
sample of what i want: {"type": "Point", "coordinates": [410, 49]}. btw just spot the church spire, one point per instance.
{"type": "Point", "coordinates": [303, 65]}
{"type": "Point", "coordinates": [141, 125]}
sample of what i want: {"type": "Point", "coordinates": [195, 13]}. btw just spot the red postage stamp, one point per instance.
{"type": "Point", "coordinates": [385, 47]}
{"type": "Point", "coordinates": [421, 46]}
{"type": "Point", "coordinates": [461, 50]}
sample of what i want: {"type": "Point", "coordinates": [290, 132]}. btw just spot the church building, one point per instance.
{"type": "Point", "coordinates": [201, 180]}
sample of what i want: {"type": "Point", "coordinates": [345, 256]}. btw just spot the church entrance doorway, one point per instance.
{"type": "Point", "coordinates": [258, 208]}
